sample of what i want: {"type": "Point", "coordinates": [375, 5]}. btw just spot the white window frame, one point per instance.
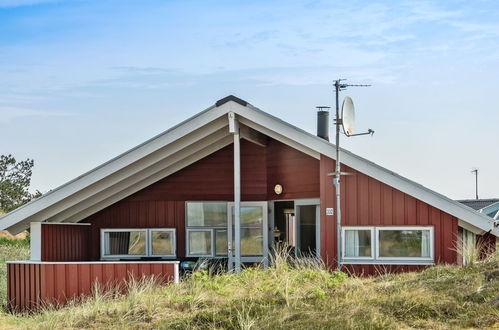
{"type": "Point", "coordinates": [148, 239]}
{"type": "Point", "coordinates": [376, 259]}
{"type": "Point", "coordinates": [265, 251]}
{"type": "Point", "coordinates": [171, 230]}
{"type": "Point", "coordinates": [343, 240]}
{"type": "Point", "coordinates": [215, 255]}
{"type": "Point", "coordinates": [203, 228]}
{"type": "Point", "coordinates": [212, 248]}
{"type": "Point", "coordinates": [402, 228]}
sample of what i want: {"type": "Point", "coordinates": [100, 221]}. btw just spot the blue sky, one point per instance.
{"type": "Point", "coordinates": [81, 81]}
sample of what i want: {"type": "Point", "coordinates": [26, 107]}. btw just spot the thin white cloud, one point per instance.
{"type": "Point", "coordinates": [7, 114]}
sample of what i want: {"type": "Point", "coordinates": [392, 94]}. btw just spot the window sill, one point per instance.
{"type": "Point", "coordinates": [389, 262]}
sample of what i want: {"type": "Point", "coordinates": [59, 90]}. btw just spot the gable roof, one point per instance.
{"type": "Point", "coordinates": [477, 204]}
{"type": "Point", "coordinates": [492, 210]}
{"type": "Point", "coordinates": [190, 141]}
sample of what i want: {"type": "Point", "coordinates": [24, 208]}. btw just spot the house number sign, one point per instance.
{"type": "Point", "coordinates": [329, 211]}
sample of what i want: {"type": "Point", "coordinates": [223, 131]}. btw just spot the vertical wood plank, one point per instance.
{"type": "Point", "coordinates": [363, 206]}
{"type": "Point", "coordinates": [84, 279]}
{"type": "Point", "coordinates": [375, 201]}
{"type": "Point", "coordinates": [387, 215]}
{"type": "Point", "coordinates": [398, 208]}
{"type": "Point", "coordinates": [72, 281]}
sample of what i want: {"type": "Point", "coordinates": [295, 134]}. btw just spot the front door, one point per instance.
{"type": "Point", "coordinates": [254, 238]}
{"type": "Point", "coordinates": [307, 213]}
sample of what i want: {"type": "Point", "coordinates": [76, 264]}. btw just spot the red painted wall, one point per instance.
{"type": "Point", "coordinates": [64, 242]}
{"type": "Point", "coordinates": [31, 285]}
{"type": "Point", "coordinates": [297, 172]}
{"type": "Point", "coordinates": [368, 202]}
{"type": "Point", "coordinates": [161, 205]}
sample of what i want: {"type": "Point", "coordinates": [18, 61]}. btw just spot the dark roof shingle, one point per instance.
{"type": "Point", "coordinates": [478, 204]}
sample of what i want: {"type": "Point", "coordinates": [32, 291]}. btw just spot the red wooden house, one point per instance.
{"type": "Point", "coordinates": [230, 171]}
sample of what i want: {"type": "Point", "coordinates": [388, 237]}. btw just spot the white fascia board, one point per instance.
{"type": "Point", "coordinates": [131, 185]}
{"type": "Point", "coordinates": [470, 227]}
{"type": "Point", "coordinates": [416, 190]}
{"type": "Point", "coordinates": [150, 180]}
{"type": "Point", "coordinates": [140, 176]}
{"type": "Point", "coordinates": [269, 125]}
{"type": "Point", "coordinates": [309, 141]}
{"type": "Point", "coordinates": [202, 125]}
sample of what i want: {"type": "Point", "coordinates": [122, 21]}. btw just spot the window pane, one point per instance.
{"type": "Point", "coordinates": [206, 214]}
{"type": "Point", "coordinates": [251, 216]}
{"type": "Point", "coordinates": [357, 243]}
{"type": "Point", "coordinates": [251, 242]}
{"type": "Point", "coordinates": [162, 242]}
{"type": "Point", "coordinates": [404, 243]}
{"type": "Point", "coordinates": [221, 242]}
{"type": "Point", "coordinates": [200, 242]}
{"type": "Point", "coordinates": [308, 214]}
{"type": "Point", "coordinates": [125, 243]}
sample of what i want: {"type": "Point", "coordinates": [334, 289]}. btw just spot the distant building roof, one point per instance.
{"type": "Point", "coordinates": [478, 204]}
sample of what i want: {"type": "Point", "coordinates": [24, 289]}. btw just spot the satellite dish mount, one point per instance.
{"type": "Point", "coordinates": [347, 123]}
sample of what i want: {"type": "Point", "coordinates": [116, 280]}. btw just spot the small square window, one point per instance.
{"type": "Point", "coordinates": [125, 243]}
{"type": "Point", "coordinates": [358, 243]}
{"type": "Point", "coordinates": [163, 242]}
{"type": "Point", "coordinates": [199, 242]}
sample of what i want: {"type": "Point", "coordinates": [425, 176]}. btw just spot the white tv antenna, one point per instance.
{"type": "Point", "coordinates": [347, 122]}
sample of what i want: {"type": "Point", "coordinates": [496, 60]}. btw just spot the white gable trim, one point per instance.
{"type": "Point", "coordinates": [139, 162]}
{"type": "Point", "coordinates": [365, 166]}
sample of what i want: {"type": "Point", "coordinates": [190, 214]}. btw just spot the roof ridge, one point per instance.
{"type": "Point", "coordinates": [231, 98]}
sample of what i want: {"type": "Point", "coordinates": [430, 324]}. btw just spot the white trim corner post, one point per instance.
{"type": "Point", "coordinates": [234, 129]}
{"type": "Point", "coordinates": [36, 241]}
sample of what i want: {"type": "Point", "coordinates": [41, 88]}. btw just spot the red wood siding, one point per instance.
{"type": "Point", "coordinates": [31, 285]}
{"type": "Point", "coordinates": [64, 242]}
{"type": "Point", "coordinates": [369, 202]}
{"type": "Point", "coordinates": [161, 205]}
{"type": "Point", "coordinates": [138, 214]}
{"type": "Point", "coordinates": [295, 171]}
{"type": "Point", "coordinates": [212, 178]}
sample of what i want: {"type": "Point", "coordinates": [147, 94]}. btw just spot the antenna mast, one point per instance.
{"type": "Point", "coordinates": [339, 86]}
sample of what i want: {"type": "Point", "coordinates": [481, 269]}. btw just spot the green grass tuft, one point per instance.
{"type": "Point", "coordinates": [292, 294]}
{"type": "Point", "coordinates": [10, 250]}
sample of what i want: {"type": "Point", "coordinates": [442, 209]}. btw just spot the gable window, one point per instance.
{"type": "Point", "coordinates": [200, 242]}
{"type": "Point", "coordinates": [387, 244]}
{"type": "Point", "coordinates": [138, 242]}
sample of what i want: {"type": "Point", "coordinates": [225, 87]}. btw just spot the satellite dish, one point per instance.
{"type": "Point", "coordinates": [347, 116]}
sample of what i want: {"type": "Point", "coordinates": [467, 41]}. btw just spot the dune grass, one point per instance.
{"type": "Point", "coordinates": [291, 294]}
{"type": "Point", "coordinates": [10, 250]}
